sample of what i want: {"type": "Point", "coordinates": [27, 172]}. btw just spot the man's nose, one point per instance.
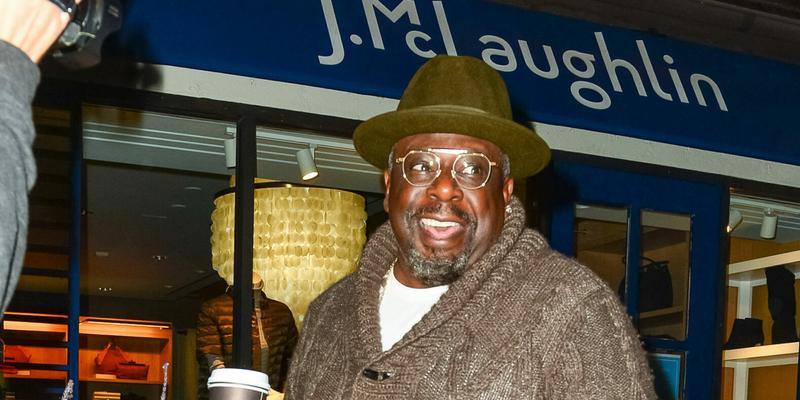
{"type": "Point", "coordinates": [445, 188]}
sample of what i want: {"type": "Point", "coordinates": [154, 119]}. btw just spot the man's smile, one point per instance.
{"type": "Point", "coordinates": [440, 229]}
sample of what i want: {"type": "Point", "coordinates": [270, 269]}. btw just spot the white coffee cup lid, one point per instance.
{"type": "Point", "coordinates": [250, 379]}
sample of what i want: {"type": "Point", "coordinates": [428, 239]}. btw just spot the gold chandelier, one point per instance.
{"type": "Point", "coordinates": [304, 240]}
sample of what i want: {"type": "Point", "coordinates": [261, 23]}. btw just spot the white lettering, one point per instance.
{"type": "Point", "coordinates": [551, 73]}
{"type": "Point", "coordinates": [676, 80]}
{"type": "Point", "coordinates": [587, 72]}
{"type": "Point", "coordinates": [605, 100]}
{"type": "Point", "coordinates": [405, 7]}
{"type": "Point", "coordinates": [444, 27]}
{"type": "Point", "coordinates": [695, 80]}
{"type": "Point", "coordinates": [337, 49]}
{"type": "Point", "coordinates": [651, 73]}
{"type": "Point", "coordinates": [587, 60]}
{"type": "Point", "coordinates": [411, 42]}
{"type": "Point", "coordinates": [612, 65]}
{"type": "Point", "coordinates": [498, 53]}
{"type": "Point", "coordinates": [506, 51]}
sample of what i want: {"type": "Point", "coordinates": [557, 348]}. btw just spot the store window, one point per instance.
{"type": "Point", "coordinates": [760, 356]}
{"type": "Point", "coordinates": [149, 184]}
{"type": "Point", "coordinates": [664, 274]}
{"type": "Point", "coordinates": [601, 241]}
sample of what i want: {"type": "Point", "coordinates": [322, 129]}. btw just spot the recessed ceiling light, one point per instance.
{"type": "Point", "coordinates": [177, 205]}
{"type": "Point", "coordinates": [104, 289]}
{"type": "Point", "coordinates": [194, 188]}
{"type": "Point", "coordinates": [168, 286]}
{"type": "Point", "coordinates": [200, 271]}
{"type": "Point", "coordinates": [101, 253]}
{"type": "Point", "coordinates": [159, 257]}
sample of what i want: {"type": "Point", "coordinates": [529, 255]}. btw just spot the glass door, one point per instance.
{"type": "Point", "coordinates": [658, 242]}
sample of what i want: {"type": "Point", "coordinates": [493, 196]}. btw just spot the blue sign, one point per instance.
{"type": "Point", "coordinates": [666, 374]}
{"type": "Point", "coordinates": [558, 70]}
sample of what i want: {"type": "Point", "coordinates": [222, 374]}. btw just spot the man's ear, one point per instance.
{"type": "Point", "coordinates": [508, 188]}
{"type": "Point", "coordinates": [387, 178]}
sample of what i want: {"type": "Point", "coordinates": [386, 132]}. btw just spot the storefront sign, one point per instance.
{"type": "Point", "coordinates": [558, 70]}
{"type": "Point", "coordinates": [503, 56]}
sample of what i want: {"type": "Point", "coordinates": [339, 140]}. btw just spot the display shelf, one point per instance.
{"type": "Point", "coordinates": [762, 356]}
{"type": "Point", "coordinates": [661, 312]}
{"type": "Point", "coordinates": [745, 275]}
{"type": "Point", "coordinates": [752, 271]}
{"type": "Point", "coordinates": [38, 374]}
{"type": "Point", "coordinates": [117, 380]}
{"type": "Point", "coordinates": [126, 328]}
{"type": "Point", "coordinates": [147, 342]}
{"type": "Point", "coordinates": [46, 325]}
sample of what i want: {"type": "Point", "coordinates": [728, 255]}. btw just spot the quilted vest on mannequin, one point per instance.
{"type": "Point", "coordinates": [215, 338]}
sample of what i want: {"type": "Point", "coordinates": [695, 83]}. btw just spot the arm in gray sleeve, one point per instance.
{"type": "Point", "coordinates": [19, 77]}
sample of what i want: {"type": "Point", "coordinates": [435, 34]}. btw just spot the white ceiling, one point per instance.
{"type": "Point", "coordinates": [147, 230]}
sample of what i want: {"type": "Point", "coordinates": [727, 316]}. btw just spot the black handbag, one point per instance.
{"type": "Point", "coordinates": [655, 285]}
{"type": "Point", "coordinates": [746, 332]}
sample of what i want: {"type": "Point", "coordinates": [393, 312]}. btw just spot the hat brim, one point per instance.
{"type": "Point", "coordinates": [374, 138]}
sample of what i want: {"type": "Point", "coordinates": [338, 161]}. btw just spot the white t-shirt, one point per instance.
{"type": "Point", "coordinates": [402, 307]}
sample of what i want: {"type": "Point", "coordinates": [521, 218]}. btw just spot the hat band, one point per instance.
{"type": "Point", "coordinates": [450, 107]}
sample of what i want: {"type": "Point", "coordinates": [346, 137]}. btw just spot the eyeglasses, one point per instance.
{"type": "Point", "coordinates": [422, 167]}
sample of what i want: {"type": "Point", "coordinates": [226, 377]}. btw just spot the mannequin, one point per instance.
{"type": "Point", "coordinates": [274, 336]}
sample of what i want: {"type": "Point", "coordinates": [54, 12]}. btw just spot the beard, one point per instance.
{"type": "Point", "coordinates": [438, 268]}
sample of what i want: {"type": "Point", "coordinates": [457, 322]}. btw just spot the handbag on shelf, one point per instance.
{"type": "Point", "coordinates": [132, 370]}
{"type": "Point", "coordinates": [16, 354]}
{"type": "Point", "coordinates": [746, 332]}
{"type": "Point", "coordinates": [655, 285]}
{"type": "Point", "coordinates": [108, 360]}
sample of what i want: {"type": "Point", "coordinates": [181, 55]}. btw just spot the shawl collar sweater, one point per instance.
{"type": "Point", "coordinates": [522, 322]}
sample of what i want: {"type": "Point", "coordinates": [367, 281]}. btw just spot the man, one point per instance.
{"type": "Point", "coordinates": [454, 298]}
{"type": "Point", "coordinates": [27, 30]}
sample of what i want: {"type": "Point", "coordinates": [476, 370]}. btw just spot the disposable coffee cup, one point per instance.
{"type": "Point", "coordinates": [237, 384]}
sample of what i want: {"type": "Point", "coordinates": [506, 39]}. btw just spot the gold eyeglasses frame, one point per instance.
{"type": "Point", "coordinates": [459, 154]}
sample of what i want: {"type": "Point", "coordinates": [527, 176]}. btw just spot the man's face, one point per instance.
{"type": "Point", "coordinates": [443, 228]}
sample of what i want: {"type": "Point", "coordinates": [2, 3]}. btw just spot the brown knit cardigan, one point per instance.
{"type": "Point", "coordinates": [215, 337]}
{"type": "Point", "coordinates": [524, 322]}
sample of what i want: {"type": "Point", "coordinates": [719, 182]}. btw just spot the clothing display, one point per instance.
{"type": "Point", "coordinates": [274, 336]}
{"type": "Point", "coordinates": [781, 302]}
{"type": "Point", "coordinates": [522, 322]}
{"type": "Point", "coordinates": [19, 77]}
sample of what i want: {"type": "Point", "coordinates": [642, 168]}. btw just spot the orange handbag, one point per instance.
{"type": "Point", "coordinates": [16, 354]}
{"type": "Point", "coordinates": [107, 361]}
{"type": "Point", "coordinates": [132, 370]}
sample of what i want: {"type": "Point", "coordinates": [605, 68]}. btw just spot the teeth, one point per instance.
{"type": "Point", "coordinates": [438, 224]}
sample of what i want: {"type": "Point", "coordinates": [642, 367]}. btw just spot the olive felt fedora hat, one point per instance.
{"type": "Point", "coordinates": [454, 94]}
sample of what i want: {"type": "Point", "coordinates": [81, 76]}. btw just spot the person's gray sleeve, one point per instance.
{"type": "Point", "coordinates": [599, 355]}
{"type": "Point", "coordinates": [19, 77]}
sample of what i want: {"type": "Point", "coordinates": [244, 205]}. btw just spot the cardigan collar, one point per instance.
{"type": "Point", "coordinates": [378, 256]}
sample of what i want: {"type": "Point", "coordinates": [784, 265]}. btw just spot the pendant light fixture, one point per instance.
{"type": "Point", "coordinates": [305, 239]}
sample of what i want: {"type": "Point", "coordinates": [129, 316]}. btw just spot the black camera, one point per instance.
{"type": "Point", "coordinates": [92, 21]}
